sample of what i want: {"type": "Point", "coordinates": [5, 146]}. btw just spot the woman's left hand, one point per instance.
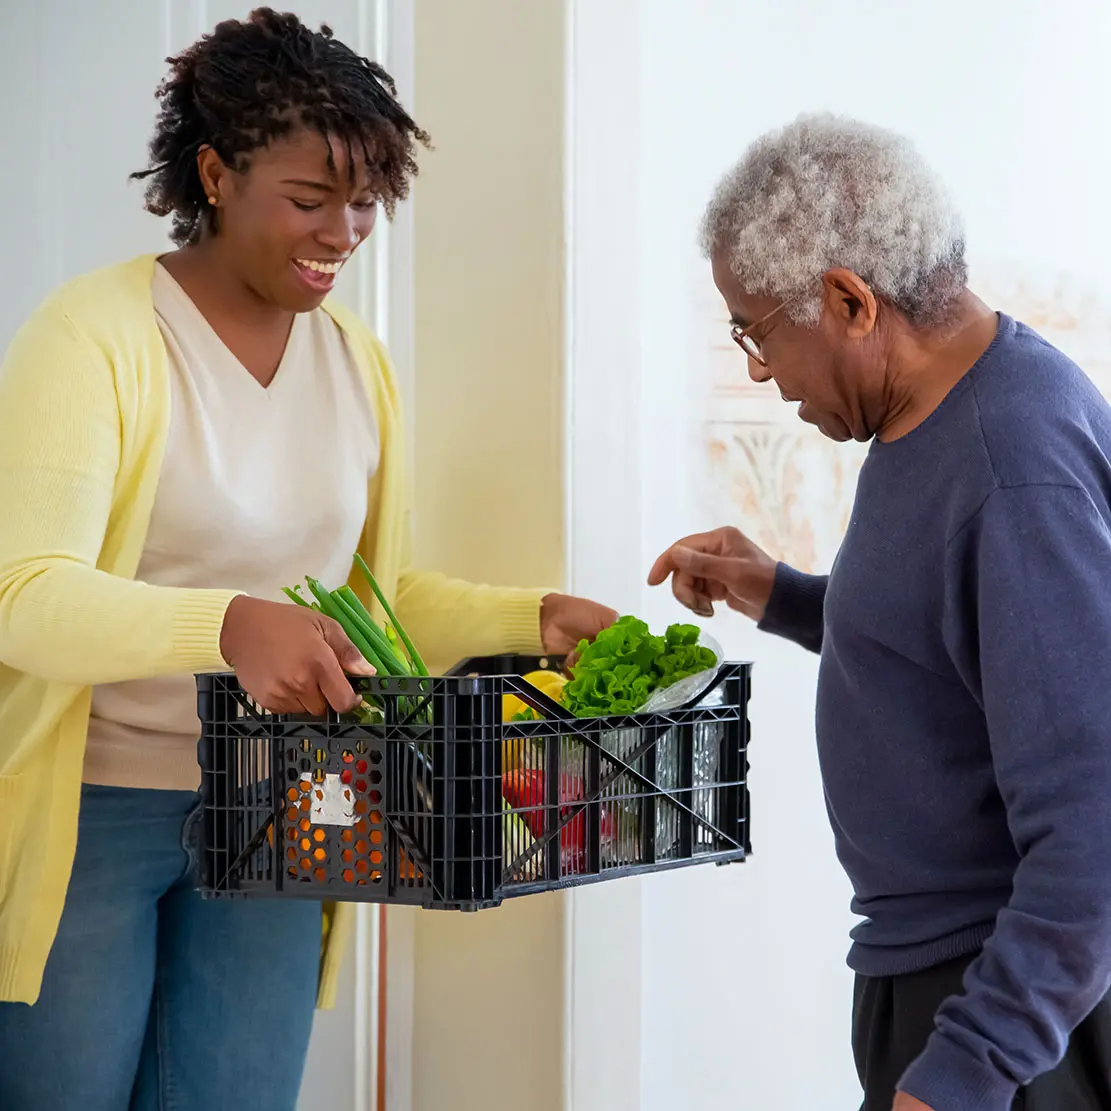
{"type": "Point", "coordinates": [565, 620]}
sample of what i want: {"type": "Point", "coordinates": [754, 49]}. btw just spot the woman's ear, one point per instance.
{"type": "Point", "coordinates": [213, 174]}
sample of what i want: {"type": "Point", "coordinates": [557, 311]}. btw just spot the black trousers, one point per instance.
{"type": "Point", "coordinates": [893, 1016]}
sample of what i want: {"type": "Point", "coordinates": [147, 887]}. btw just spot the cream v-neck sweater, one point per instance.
{"type": "Point", "coordinates": [259, 487]}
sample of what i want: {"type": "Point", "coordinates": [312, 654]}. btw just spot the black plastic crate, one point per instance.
{"type": "Point", "coordinates": [433, 800]}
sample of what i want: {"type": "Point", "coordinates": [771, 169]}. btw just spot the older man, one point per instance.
{"type": "Point", "coordinates": [964, 693]}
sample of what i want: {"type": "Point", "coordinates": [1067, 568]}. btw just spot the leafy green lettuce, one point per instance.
{"type": "Point", "coordinates": [624, 664]}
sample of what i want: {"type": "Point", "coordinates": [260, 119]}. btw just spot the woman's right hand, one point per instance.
{"type": "Point", "coordinates": [290, 659]}
{"type": "Point", "coordinates": [719, 566]}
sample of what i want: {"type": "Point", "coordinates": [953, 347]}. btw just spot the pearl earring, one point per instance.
{"type": "Point", "coordinates": [211, 200]}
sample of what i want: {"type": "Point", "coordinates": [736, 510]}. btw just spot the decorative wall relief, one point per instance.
{"type": "Point", "coordinates": [1071, 311]}
{"type": "Point", "coordinates": [788, 487]}
{"type": "Point", "coordinates": [789, 492]}
{"type": "Point", "coordinates": [776, 479]}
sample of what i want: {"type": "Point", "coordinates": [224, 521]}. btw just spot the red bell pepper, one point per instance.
{"type": "Point", "coordinates": [523, 789]}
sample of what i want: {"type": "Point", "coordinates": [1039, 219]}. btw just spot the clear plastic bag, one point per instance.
{"type": "Point", "coordinates": [688, 689]}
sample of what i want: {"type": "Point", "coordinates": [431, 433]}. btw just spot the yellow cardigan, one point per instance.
{"type": "Point", "coordinates": [84, 413]}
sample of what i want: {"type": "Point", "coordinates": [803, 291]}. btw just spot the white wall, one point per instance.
{"type": "Point", "coordinates": [743, 996]}
{"type": "Point", "coordinates": [605, 323]}
{"type": "Point", "coordinates": [88, 109]}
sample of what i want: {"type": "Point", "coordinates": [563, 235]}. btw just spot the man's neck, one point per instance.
{"type": "Point", "coordinates": [925, 365]}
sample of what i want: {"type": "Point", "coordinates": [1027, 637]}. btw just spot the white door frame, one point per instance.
{"type": "Point", "coordinates": [603, 924]}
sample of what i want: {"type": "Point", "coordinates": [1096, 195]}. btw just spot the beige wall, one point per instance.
{"type": "Point", "coordinates": [489, 280]}
{"type": "Point", "coordinates": [488, 484]}
{"type": "Point", "coordinates": [488, 1009]}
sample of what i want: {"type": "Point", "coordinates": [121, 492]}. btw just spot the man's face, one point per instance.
{"type": "Point", "coordinates": [824, 368]}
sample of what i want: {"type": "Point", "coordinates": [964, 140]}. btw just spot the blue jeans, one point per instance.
{"type": "Point", "coordinates": [155, 999]}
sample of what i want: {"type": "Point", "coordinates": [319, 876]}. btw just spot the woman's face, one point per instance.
{"type": "Point", "coordinates": [290, 222]}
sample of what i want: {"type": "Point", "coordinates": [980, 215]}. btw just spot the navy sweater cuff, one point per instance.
{"type": "Point", "coordinates": [795, 607]}
{"type": "Point", "coordinates": [948, 1078]}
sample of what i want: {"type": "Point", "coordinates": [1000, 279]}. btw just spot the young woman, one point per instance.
{"type": "Point", "coordinates": [181, 436]}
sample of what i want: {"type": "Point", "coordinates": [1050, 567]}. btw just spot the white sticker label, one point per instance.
{"type": "Point", "coordinates": [333, 803]}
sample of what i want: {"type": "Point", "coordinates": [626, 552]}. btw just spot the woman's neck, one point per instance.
{"type": "Point", "coordinates": [222, 295]}
{"type": "Point", "coordinates": [253, 329]}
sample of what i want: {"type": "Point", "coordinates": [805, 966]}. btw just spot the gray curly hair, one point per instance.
{"type": "Point", "coordinates": [827, 192]}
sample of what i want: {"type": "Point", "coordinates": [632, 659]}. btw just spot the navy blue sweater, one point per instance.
{"type": "Point", "coordinates": [964, 712]}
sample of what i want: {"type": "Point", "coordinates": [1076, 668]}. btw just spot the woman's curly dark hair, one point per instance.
{"type": "Point", "coordinates": [250, 82]}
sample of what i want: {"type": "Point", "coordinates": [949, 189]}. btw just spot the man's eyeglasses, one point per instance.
{"type": "Point", "coordinates": [743, 338]}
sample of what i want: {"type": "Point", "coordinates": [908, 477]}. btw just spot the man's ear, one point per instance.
{"type": "Point", "coordinates": [849, 300]}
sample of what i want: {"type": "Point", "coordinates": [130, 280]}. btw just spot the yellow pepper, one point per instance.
{"type": "Point", "coordinates": [522, 753]}
{"type": "Point", "coordinates": [550, 682]}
